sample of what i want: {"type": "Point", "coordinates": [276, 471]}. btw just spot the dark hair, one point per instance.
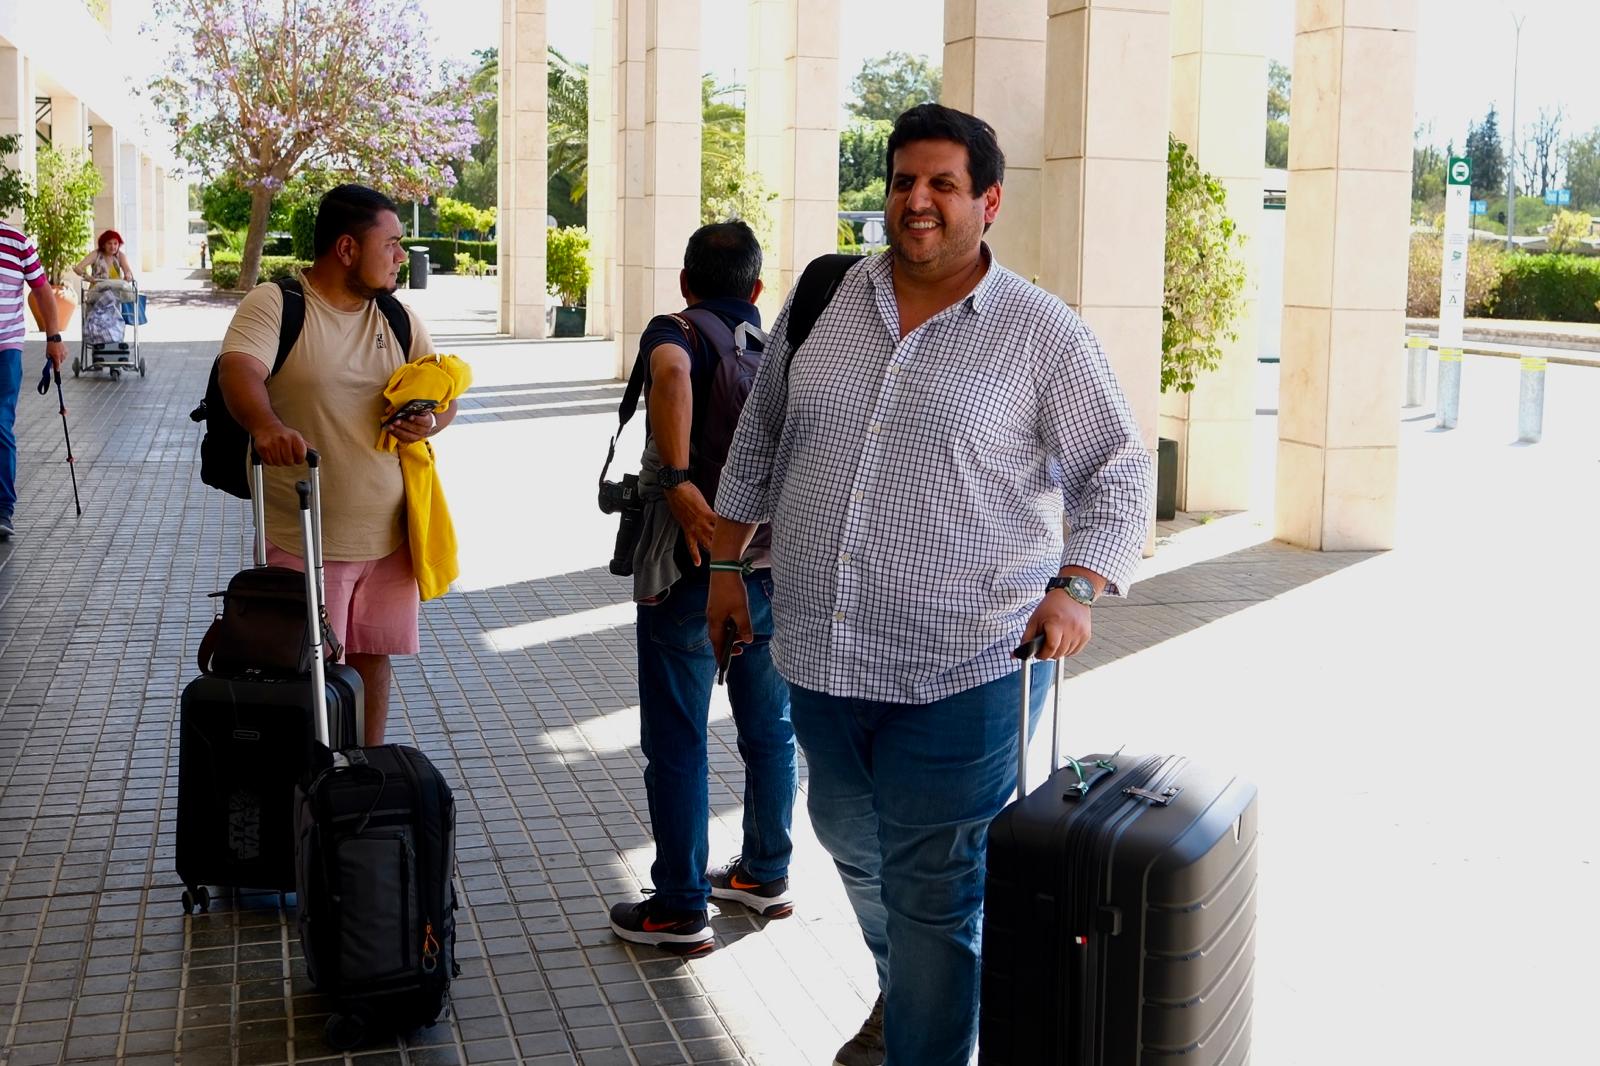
{"type": "Point", "coordinates": [934, 122]}
{"type": "Point", "coordinates": [108, 235]}
{"type": "Point", "coordinates": [722, 259]}
{"type": "Point", "coordinates": [347, 209]}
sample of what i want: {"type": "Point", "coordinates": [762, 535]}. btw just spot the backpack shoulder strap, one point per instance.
{"type": "Point", "coordinates": [293, 320]}
{"type": "Point", "coordinates": [812, 294]}
{"type": "Point", "coordinates": [399, 322]}
{"type": "Point", "coordinates": [709, 324]}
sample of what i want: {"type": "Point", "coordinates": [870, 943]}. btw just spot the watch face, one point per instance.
{"type": "Point", "coordinates": [1080, 589]}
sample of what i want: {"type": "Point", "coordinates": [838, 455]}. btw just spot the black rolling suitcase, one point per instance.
{"type": "Point", "coordinates": [245, 740]}
{"type": "Point", "coordinates": [374, 862]}
{"type": "Point", "coordinates": [1119, 914]}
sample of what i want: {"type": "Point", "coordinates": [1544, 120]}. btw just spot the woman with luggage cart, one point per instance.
{"type": "Point", "coordinates": [111, 303]}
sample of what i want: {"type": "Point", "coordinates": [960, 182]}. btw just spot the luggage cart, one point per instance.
{"type": "Point", "coordinates": [113, 356]}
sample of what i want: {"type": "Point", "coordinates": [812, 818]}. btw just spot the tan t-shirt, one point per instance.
{"type": "Point", "coordinates": [330, 389]}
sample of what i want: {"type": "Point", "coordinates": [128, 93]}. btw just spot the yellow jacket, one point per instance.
{"type": "Point", "coordinates": [440, 378]}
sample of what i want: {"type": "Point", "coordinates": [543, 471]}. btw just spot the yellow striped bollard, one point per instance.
{"type": "Point", "coordinates": [1416, 370]}
{"type": "Point", "coordinates": [1449, 387]}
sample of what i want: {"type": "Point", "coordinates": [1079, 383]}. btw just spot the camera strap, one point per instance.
{"type": "Point", "coordinates": [630, 403]}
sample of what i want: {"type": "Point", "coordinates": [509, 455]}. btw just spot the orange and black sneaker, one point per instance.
{"type": "Point", "coordinates": [770, 899]}
{"type": "Point", "coordinates": [647, 922]}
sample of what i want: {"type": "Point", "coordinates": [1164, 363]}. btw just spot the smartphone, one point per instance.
{"type": "Point", "coordinates": [412, 407]}
{"type": "Point", "coordinates": [729, 631]}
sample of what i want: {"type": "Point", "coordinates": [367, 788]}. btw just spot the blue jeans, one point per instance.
{"type": "Point", "coordinates": [10, 387]}
{"type": "Point", "coordinates": [901, 795]}
{"type": "Point", "coordinates": [676, 672]}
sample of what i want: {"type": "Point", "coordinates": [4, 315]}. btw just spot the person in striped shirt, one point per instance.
{"type": "Point", "coordinates": [20, 270]}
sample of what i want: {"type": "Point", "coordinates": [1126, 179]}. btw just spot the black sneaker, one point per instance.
{"type": "Point", "coordinates": [770, 899]}
{"type": "Point", "coordinates": [647, 922]}
{"type": "Point", "coordinates": [6, 528]}
{"type": "Point", "coordinates": [866, 1047]}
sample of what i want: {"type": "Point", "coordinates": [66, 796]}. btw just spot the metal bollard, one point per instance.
{"type": "Point", "coordinates": [1416, 370]}
{"type": "Point", "coordinates": [1449, 387]}
{"type": "Point", "coordinates": [1530, 401]}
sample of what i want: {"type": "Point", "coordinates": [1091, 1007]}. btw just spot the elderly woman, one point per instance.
{"type": "Point", "coordinates": [111, 284]}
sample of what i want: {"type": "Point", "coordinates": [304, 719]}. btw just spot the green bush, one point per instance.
{"type": "Point", "coordinates": [566, 263]}
{"type": "Point", "coordinates": [1205, 272]}
{"type": "Point", "coordinates": [1550, 288]}
{"type": "Point", "coordinates": [303, 229]}
{"type": "Point", "coordinates": [1485, 261]}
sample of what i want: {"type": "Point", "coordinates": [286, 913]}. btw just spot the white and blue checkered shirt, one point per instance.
{"type": "Point", "coordinates": [916, 487]}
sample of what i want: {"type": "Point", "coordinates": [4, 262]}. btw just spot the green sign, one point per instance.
{"type": "Point", "coordinates": [1460, 172]}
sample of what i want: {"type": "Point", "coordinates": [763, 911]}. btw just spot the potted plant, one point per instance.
{"type": "Point", "coordinates": [566, 271]}
{"type": "Point", "coordinates": [56, 214]}
{"type": "Point", "coordinates": [1202, 293]}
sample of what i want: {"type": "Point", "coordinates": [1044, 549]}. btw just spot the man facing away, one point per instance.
{"type": "Point", "coordinates": [20, 271]}
{"type": "Point", "coordinates": [328, 395]}
{"type": "Point", "coordinates": [914, 461]}
{"type": "Point", "coordinates": [695, 396]}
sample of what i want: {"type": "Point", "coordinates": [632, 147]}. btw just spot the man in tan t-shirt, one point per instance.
{"type": "Point", "coordinates": [328, 395]}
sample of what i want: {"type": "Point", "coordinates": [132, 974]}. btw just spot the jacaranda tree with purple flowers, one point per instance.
{"type": "Point", "coordinates": [267, 88]}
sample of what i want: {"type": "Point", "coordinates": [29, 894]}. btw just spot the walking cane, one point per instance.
{"type": "Point", "coordinates": [44, 390]}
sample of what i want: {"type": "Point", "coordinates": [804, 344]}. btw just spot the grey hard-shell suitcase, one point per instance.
{"type": "Point", "coordinates": [1119, 914]}
{"type": "Point", "coordinates": [374, 864]}
{"type": "Point", "coordinates": [245, 740]}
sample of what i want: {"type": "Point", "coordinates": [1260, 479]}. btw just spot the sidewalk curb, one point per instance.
{"type": "Point", "coordinates": [1533, 339]}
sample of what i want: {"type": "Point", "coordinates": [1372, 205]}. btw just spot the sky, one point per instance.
{"type": "Point", "coordinates": [1464, 48]}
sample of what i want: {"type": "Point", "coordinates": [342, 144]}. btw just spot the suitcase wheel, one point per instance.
{"type": "Point", "coordinates": [344, 1031]}
{"type": "Point", "coordinates": [199, 899]}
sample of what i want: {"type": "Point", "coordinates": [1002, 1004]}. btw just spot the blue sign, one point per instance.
{"type": "Point", "coordinates": [1557, 197]}
{"type": "Point", "coordinates": [1480, 207]}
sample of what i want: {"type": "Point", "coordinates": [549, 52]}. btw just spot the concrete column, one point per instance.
{"type": "Point", "coordinates": [525, 109]}
{"type": "Point", "coordinates": [129, 202]}
{"type": "Point", "coordinates": [1105, 181]}
{"type": "Point", "coordinates": [602, 198]}
{"type": "Point", "coordinates": [107, 164]}
{"type": "Point", "coordinates": [809, 188]}
{"type": "Point", "coordinates": [505, 132]}
{"type": "Point", "coordinates": [147, 214]}
{"type": "Point", "coordinates": [763, 133]}
{"type": "Point", "coordinates": [16, 113]}
{"type": "Point", "coordinates": [161, 200]}
{"type": "Point", "coordinates": [67, 123]}
{"type": "Point", "coordinates": [994, 69]}
{"type": "Point", "coordinates": [1219, 74]}
{"type": "Point", "coordinates": [1344, 285]}
{"type": "Point", "coordinates": [633, 231]}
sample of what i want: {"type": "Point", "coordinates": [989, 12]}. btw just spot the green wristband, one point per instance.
{"type": "Point", "coordinates": [732, 566]}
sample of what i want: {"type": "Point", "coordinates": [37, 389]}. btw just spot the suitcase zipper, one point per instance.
{"type": "Point", "coordinates": [429, 958]}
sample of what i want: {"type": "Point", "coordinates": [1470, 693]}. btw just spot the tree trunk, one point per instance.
{"type": "Point", "coordinates": [256, 238]}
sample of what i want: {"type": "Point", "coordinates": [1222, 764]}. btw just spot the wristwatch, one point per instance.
{"type": "Point", "coordinates": [52, 338]}
{"type": "Point", "coordinates": [1077, 586]}
{"type": "Point", "coordinates": [671, 477]}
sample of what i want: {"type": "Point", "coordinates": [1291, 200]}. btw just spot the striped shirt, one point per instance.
{"type": "Point", "coordinates": [917, 486]}
{"type": "Point", "coordinates": [19, 268]}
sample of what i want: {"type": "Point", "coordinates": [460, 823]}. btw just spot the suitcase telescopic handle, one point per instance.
{"type": "Point", "coordinates": [319, 678]}
{"type": "Point", "coordinates": [1028, 653]}
{"type": "Point", "coordinates": [258, 507]}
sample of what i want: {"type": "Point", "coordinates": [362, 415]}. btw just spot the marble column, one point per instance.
{"type": "Point", "coordinates": [16, 113]}
{"type": "Point", "coordinates": [634, 291]}
{"type": "Point", "coordinates": [147, 214]}
{"type": "Point", "coordinates": [764, 134]}
{"type": "Point", "coordinates": [601, 197]}
{"type": "Point", "coordinates": [1219, 77]}
{"type": "Point", "coordinates": [524, 132]}
{"type": "Point", "coordinates": [808, 190]}
{"type": "Point", "coordinates": [129, 202]}
{"type": "Point", "coordinates": [104, 154]}
{"type": "Point", "coordinates": [67, 123]}
{"type": "Point", "coordinates": [1344, 285]}
{"type": "Point", "coordinates": [1105, 174]}
{"type": "Point", "coordinates": [994, 69]}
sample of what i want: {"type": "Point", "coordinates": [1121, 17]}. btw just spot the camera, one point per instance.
{"type": "Point", "coordinates": [622, 498]}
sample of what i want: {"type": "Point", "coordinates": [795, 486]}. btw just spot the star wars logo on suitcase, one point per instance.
{"type": "Point", "coordinates": [244, 825]}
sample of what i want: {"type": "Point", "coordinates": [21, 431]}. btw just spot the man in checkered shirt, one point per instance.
{"type": "Point", "coordinates": [915, 459]}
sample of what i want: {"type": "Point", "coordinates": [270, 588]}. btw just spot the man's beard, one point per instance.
{"type": "Point", "coordinates": [353, 282]}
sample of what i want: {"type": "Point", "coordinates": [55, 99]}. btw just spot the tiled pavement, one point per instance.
{"type": "Point", "coordinates": [524, 694]}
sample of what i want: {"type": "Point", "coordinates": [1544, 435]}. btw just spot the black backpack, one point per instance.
{"type": "Point", "coordinates": [225, 445]}
{"type": "Point", "coordinates": [812, 294]}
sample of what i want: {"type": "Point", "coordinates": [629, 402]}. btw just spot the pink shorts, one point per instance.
{"type": "Point", "coordinates": [372, 604]}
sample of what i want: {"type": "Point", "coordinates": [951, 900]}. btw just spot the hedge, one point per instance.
{"type": "Point", "coordinates": [442, 251]}
{"type": "Point", "coordinates": [1551, 288]}
{"type": "Point", "coordinates": [225, 269]}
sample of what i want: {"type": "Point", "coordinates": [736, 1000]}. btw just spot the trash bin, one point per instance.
{"type": "Point", "coordinates": [419, 266]}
